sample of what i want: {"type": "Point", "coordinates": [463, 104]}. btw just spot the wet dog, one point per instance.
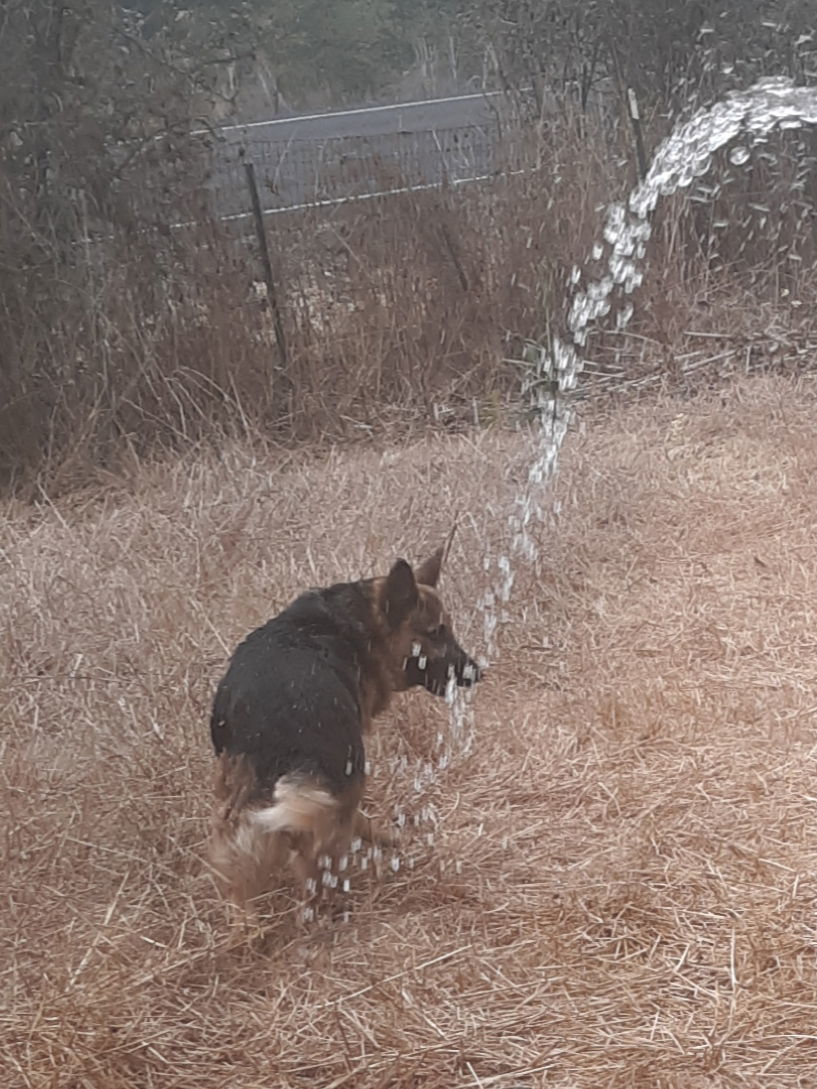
{"type": "Point", "coordinates": [291, 714]}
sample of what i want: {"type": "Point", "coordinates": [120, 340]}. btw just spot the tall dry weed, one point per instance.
{"type": "Point", "coordinates": [400, 312]}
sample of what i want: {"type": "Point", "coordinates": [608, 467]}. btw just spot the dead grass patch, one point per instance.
{"type": "Point", "coordinates": [615, 887]}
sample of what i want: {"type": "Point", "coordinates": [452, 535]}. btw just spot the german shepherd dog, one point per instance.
{"type": "Point", "coordinates": [290, 716]}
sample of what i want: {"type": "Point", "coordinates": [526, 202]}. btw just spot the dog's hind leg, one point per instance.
{"type": "Point", "coordinates": [364, 828]}
{"type": "Point", "coordinates": [313, 824]}
{"type": "Point", "coordinates": [244, 858]}
{"type": "Point", "coordinates": [321, 863]}
{"type": "Point", "coordinates": [321, 853]}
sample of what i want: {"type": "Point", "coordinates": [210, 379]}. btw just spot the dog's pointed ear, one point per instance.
{"type": "Point", "coordinates": [400, 594]}
{"type": "Point", "coordinates": [428, 573]}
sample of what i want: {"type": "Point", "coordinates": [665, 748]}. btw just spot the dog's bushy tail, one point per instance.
{"type": "Point", "coordinates": [299, 807]}
{"type": "Point", "coordinates": [249, 842]}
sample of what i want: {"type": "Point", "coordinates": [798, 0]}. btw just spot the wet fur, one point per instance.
{"type": "Point", "coordinates": [290, 716]}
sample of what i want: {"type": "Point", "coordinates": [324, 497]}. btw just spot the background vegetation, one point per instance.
{"type": "Point", "coordinates": [119, 335]}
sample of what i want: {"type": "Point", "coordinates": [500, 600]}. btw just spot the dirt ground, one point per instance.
{"type": "Point", "coordinates": [608, 875]}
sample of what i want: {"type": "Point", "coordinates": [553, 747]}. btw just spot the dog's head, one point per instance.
{"type": "Point", "coordinates": [420, 634]}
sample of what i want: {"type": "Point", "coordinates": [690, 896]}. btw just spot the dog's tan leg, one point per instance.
{"type": "Point", "coordinates": [320, 863]}
{"type": "Point", "coordinates": [304, 862]}
{"type": "Point", "coordinates": [364, 828]}
{"type": "Point", "coordinates": [243, 860]}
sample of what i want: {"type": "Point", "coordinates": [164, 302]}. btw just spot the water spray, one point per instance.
{"type": "Point", "coordinates": [684, 155]}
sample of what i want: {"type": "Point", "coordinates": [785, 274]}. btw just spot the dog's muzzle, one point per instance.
{"type": "Point", "coordinates": [437, 674]}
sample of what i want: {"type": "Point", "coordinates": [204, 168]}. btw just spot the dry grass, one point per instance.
{"type": "Point", "coordinates": [615, 887]}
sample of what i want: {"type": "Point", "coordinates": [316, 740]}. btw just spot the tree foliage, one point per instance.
{"type": "Point", "coordinates": [669, 51]}
{"type": "Point", "coordinates": [347, 47]}
{"type": "Point", "coordinates": [88, 99]}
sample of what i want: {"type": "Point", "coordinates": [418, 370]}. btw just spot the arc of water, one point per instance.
{"type": "Point", "coordinates": [683, 156]}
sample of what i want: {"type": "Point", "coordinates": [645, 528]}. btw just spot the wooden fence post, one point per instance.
{"type": "Point", "coordinates": [635, 119]}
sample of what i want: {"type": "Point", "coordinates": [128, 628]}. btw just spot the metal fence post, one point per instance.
{"type": "Point", "coordinates": [266, 264]}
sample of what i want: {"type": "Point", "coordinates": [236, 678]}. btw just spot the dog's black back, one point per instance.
{"type": "Point", "coordinates": [290, 701]}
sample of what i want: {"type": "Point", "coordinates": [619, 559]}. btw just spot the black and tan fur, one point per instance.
{"type": "Point", "coordinates": [290, 716]}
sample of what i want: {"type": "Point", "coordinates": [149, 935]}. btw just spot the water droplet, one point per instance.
{"type": "Point", "coordinates": [739, 155]}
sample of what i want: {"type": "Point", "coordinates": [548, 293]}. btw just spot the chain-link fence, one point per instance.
{"type": "Point", "coordinates": [295, 174]}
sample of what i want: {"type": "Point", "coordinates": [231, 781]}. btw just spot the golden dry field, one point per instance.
{"type": "Point", "coordinates": [614, 886]}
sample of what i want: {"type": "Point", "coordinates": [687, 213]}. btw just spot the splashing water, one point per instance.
{"type": "Point", "coordinates": [686, 154]}
{"type": "Point", "coordinates": [683, 156]}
